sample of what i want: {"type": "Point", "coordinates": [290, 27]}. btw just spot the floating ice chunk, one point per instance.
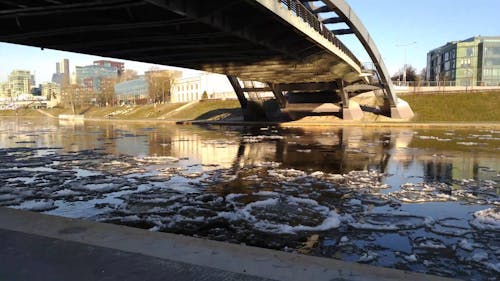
{"type": "Point", "coordinates": [65, 193]}
{"type": "Point", "coordinates": [192, 175]}
{"type": "Point", "coordinates": [427, 137]}
{"type": "Point", "coordinates": [428, 243]}
{"type": "Point", "coordinates": [270, 164]}
{"type": "Point", "coordinates": [465, 245]}
{"type": "Point", "coordinates": [156, 159]}
{"type": "Point", "coordinates": [344, 239]}
{"type": "Point", "coordinates": [355, 202]}
{"type": "Point", "coordinates": [155, 228]}
{"type": "Point", "coordinates": [493, 266]}
{"type": "Point", "coordinates": [286, 174]}
{"type": "Point", "coordinates": [410, 258]}
{"type": "Point", "coordinates": [101, 187]}
{"type": "Point", "coordinates": [317, 174]}
{"type": "Point", "coordinates": [450, 227]}
{"type": "Point", "coordinates": [230, 216]}
{"type": "Point", "coordinates": [468, 143]}
{"type": "Point", "coordinates": [385, 221]}
{"type": "Point", "coordinates": [39, 206]}
{"type": "Point", "coordinates": [266, 193]}
{"type": "Point", "coordinates": [479, 256]}
{"type": "Point", "coordinates": [488, 219]}
{"type": "Point", "coordinates": [368, 257]}
{"type": "Point", "coordinates": [252, 178]}
{"type": "Point", "coordinates": [285, 215]}
{"type": "Point", "coordinates": [423, 192]}
{"type": "Point", "coordinates": [330, 222]}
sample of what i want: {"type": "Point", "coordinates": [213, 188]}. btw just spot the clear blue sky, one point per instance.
{"type": "Point", "coordinates": [429, 23]}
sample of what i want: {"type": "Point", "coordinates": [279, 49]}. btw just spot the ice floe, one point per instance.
{"type": "Point", "coordinates": [488, 219]}
{"type": "Point", "coordinates": [385, 221]}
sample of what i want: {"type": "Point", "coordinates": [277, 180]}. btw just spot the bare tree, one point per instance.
{"type": "Point", "coordinates": [128, 74]}
{"type": "Point", "coordinates": [159, 83]}
{"type": "Point", "coordinates": [411, 74]}
{"type": "Point", "coordinates": [107, 95]}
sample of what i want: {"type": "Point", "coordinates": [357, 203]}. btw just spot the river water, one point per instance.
{"type": "Point", "coordinates": [413, 199]}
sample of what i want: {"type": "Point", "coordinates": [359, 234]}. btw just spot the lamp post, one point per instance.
{"type": "Point", "coordinates": [470, 82]}
{"type": "Point", "coordinates": [405, 46]}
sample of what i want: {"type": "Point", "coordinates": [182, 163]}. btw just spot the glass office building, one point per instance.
{"type": "Point", "coordinates": [471, 62]}
{"type": "Point", "coordinates": [132, 91]}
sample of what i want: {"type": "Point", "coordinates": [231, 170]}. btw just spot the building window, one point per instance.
{"type": "Point", "coordinates": [469, 52]}
{"type": "Point", "coordinates": [447, 66]}
{"type": "Point", "coordinates": [493, 61]}
{"type": "Point", "coordinates": [446, 56]}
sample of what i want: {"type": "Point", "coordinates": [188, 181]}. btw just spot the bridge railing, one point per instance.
{"type": "Point", "coordinates": [307, 16]}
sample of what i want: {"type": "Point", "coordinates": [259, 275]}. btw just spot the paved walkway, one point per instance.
{"type": "Point", "coordinates": [42, 247]}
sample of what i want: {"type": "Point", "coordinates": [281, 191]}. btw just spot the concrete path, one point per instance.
{"type": "Point", "coordinates": [42, 247]}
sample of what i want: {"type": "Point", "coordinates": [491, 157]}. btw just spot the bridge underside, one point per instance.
{"type": "Point", "coordinates": [281, 43]}
{"type": "Point", "coordinates": [232, 37]}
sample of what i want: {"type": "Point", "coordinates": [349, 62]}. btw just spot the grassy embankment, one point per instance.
{"type": "Point", "coordinates": [475, 107]}
{"type": "Point", "coordinates": [120, 112]}
{"type": "Point", "coordinates": [210, 109]}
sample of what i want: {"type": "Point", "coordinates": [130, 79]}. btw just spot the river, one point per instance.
{"type": "Point", "coordinates": [424, 200]}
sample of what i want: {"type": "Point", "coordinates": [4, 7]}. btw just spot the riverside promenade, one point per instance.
{"type": "Point", "coordinates": [43, 247]}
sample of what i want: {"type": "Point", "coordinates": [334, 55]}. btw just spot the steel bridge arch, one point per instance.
{"type": "Point", "coordinates": [345, 14]}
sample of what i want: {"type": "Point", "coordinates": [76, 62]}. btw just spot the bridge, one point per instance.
{"type": "Point", "coordinates": [292, 46]}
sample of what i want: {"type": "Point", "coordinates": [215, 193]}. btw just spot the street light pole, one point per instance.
{"type": "Point", "coordinates": [405, 46]}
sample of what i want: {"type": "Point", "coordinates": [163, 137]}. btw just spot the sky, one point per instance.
{"type": "Point", "coordinates": [404, 31]}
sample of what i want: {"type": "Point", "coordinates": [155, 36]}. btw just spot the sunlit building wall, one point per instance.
{"type": "Point", "coordinates": [215, 86]}
{"type": "Point", "coordinates": [19, 82]}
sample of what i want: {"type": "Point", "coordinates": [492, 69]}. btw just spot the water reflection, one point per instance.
{"type": "Point", "coordinates": [394, 151]}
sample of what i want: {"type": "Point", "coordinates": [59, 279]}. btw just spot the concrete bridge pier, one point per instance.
{"type": "Point", "coordinates": [350, 109]}
{"type": "Point", "coordinates": [401, 110]}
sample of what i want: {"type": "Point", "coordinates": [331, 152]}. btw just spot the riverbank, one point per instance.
{"type": "Point", "coordinates": [430, 110]}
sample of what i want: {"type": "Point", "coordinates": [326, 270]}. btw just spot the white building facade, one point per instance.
{"type": "Point", "coordinates": [190, 89]}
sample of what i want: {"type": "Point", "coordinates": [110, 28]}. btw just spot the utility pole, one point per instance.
{"type": "Point", "coordinates": [405, 46]}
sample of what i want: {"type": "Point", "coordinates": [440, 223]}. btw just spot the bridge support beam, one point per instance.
{"type": "Point", "coordinates": [350, 109]}
{"type": "Point", "coordinates": [238, 90]}
{"type": "Point", "coordinates": [278, 94]}
{"type": "Point", "coordinates": [253, 110]}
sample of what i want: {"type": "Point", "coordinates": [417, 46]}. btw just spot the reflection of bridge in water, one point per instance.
{"type": "Point", "coordinates": [286, 44]}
